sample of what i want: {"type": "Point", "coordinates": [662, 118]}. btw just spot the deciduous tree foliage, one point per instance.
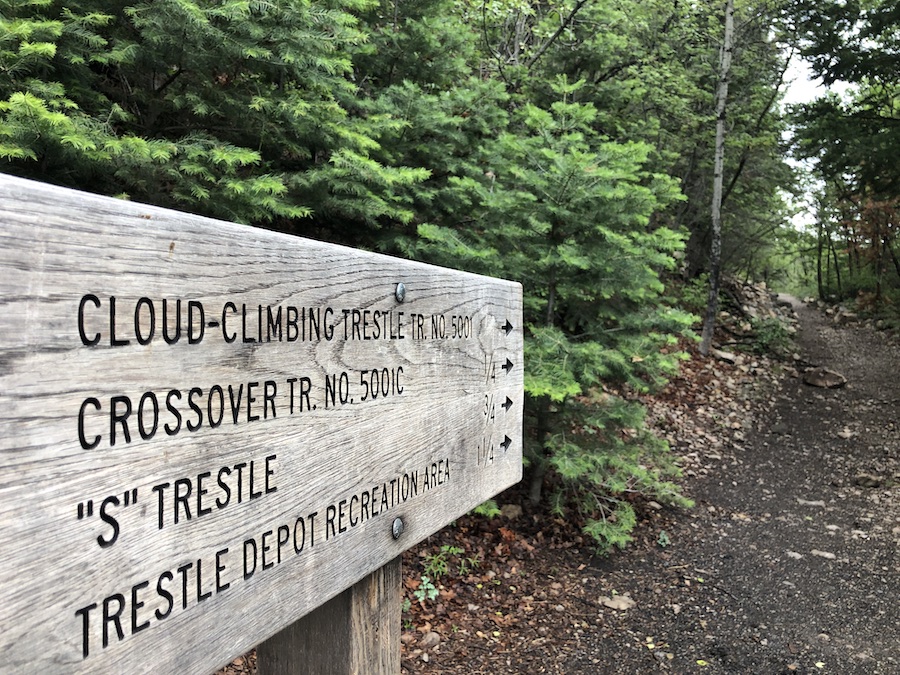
{"type": "Point", "coordinates": [651, 69]}
{"type": "Point", "coordinates": [853, 141]}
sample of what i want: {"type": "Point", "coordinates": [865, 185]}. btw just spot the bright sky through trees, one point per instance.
{"type": "Point", "coordinates": [802, 88]}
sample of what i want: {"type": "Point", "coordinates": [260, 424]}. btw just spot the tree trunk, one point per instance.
{"type": "Point", "coordinates": [541, 462]}
{"type": "Point", "coordinates": [837, 268]}
{"type": "Point", "coordinates": [715, 255]}
{"type": "Point", "coordinates": [879, 266]}
{"type": "Point", "coordinates": [851, 270]}
{"type": "Point", "coordinates": [819, 281]}
{"type": "Point", "coordinates": [889, 245]}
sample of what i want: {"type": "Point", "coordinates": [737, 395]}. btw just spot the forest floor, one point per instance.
{"type": "Point", "coordinates": [788, 563]}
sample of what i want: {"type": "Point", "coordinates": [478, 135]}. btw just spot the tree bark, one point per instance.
{"type": "Point", "coordinates": [837, 267]}
{"type": "Point", "coordinates": [715, 255]}
{"type": "Point", "coordinates": [889, 245]}
{"type": "Point", "coordinates": [541, 462]}
{"type": "Point", "coordinates": [819, 247]}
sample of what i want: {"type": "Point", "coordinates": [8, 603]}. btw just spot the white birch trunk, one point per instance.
{"type": "Point", "coordinates": [715, 254]}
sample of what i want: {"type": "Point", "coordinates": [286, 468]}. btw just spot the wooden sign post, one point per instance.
{"type": "Point", "coordinates": [209, 431]}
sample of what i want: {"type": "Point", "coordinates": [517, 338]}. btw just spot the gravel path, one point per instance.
{"type": "Point", "coordinates": [805, 544]}
{"type": "Point", "coordinates": [796, 539]}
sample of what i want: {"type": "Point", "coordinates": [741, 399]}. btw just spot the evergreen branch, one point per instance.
{"type": "Point", "coordinates": [549, 41]}
{"type": "Point", "coordinates": [169, 80]}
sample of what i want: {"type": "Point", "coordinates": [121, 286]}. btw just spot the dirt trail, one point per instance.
{"type": "Point", "coordinates": [795, 543]}
{"type": "Point", "coordinates": [805, 543]}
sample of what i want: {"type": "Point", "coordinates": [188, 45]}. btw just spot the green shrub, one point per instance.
{"type": "Point", "coordinates": [568, 213]}
{"type": "Point", "coordinates": [771, 336]}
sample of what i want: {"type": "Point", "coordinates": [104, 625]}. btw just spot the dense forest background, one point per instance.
{"type": "Point", "coordinates": [568, 145]}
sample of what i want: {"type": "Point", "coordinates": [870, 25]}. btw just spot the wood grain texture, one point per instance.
{"type": "Point", "coordinates": [357, 632]}
{"type": "Point", "coordinates": [168, 503]}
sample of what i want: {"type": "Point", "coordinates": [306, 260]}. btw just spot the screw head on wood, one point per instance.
{"type": "Point", "coordinates": [400, 292]}
{"type": "Point", "coordinates": [397, 527]}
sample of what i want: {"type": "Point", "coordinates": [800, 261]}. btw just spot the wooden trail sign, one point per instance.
{"type": "Point", "coordinates": [209, 430]}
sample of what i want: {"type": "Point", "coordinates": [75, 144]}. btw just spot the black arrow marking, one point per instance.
{"type": "Point", "coordinates": [508, 327]}
{"type": "Point", "coordinates": [508, 366]}
{"type": "Point", "coordinates": [508, 404]}
{"type": "Point", "coordinates": [507, 441]}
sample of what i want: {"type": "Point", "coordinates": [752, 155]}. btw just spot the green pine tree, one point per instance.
{"type": "Point", "coordinates": [568, 214]}
{"type": "Point", "coordinates": [232, 109]}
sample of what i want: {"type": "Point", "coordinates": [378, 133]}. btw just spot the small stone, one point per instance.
{"type": "Point", "coordinates": [727, 357]}
{"type": "Point", "coordinates": [511, 511]}
{"type": "Point", "coordinates": [824, 378]}
{"type": "Point", "coordinates": [823, 554]}
{"type": "Point", "coordinates": [622, 602]}
{"type": "Point", "coordinates": [868, 480]}
{"type": "Point", "coordinates": [803, 502]}
{"type": "Point", "coordinates": [431, 639]}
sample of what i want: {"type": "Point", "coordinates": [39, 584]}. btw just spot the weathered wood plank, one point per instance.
{"type": "Point", "coordinates": [193, 453]}
{"type": "Point", "coordinates": [356, 632]}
